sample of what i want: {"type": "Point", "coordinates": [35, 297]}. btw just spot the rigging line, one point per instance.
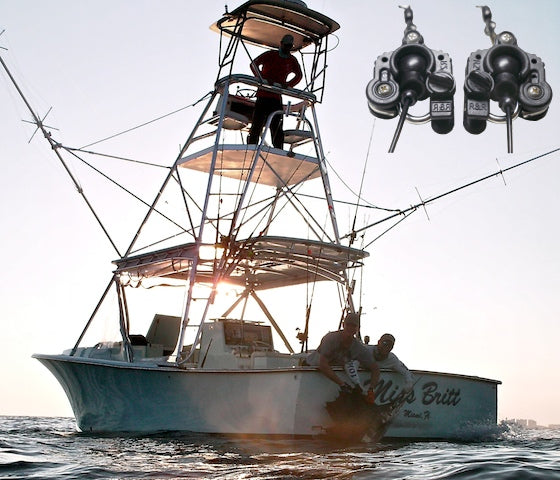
{"type": "Point", "coordinates": [148, 122]}
{"type": "Point", "coordinates": [344, 202]}
{"type": "Point", "coordinates": [33, 114]}
{"type": "Point", "coordinates": [167, 285]}
{"type": "Point", "coordinates": [262, 210]}
{"type": "Point", "coordinates": [243, 210]}
{"type": "Point", "coordinates": [231, 256]}
{"type": "Point", "coordinates": [220, 179]}
{"type": "Point", "coordinates": [194, 202]}
{"type": "Point", "coordinates": [184, 195]}
{"type": "Point", "coordinates": [116, 157]}
{"type": "Point", "coordinates": [383, 220]}
{"type": "Point", "coordinates": [153, 244]}
{"type": "Point", "coordinates": [230, 214]}
{"type": "Point", "coordinates": [164, 185]}
{"type": "Point", "coordinates": [231, 231]}
{"type": "Point", "coordinates": [405, 216]}
{"type": "Point", "coordinates": [287, 189]}
{"type": "Point", "coordinates": [271, 207]}
{"type": "Point", "coordinates": [263, 225]}
{"type": "Point", "coordinates": [80, 190]}
{"type": "Point", "coordinates": [234, 257]}
{"type": "Point", "coordinates": [170, 237]}
{"type": "Point", "coordinates": [242, 196]}
{"type": "Point", "coordinates": [370, 205]}
{"type": "Point", "coordinates": [123, 188]}
{"type": "Point", "coordinates": [362, 180]}
{"type": "Point", "coordinates": [295, 171]}
{"type": "Point", "coordinates": [92, 316]}
{"type": "Point", "coordinates": [252, 205]}
{"type": "Point", "coordinates": [455, 190]}
{"type": "Point", "coordinates": [308, 218]}
{"type": "Point", "coordinates": [311, 279]}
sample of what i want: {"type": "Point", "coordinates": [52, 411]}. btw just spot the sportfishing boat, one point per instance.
{"type": "Point", "coordinates": [258, 221]}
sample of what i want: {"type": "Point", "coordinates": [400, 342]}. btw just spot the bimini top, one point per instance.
{"type": "Point", "coordinates": [262, 262]}
{"type": "Point", "coordinates": [265, 22]}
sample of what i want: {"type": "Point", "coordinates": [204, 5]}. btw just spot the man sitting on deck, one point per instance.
{"type": "Point", "coordinates": [339, 348]}
{"type": "Point", "coordinates": [274, 66]}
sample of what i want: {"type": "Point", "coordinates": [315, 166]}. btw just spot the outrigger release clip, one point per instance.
{"type": "Point", "coordinates": [508, 75]}
{"type": "Point", "coordinates": [412, 73]}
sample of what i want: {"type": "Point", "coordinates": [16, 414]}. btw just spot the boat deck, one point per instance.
{"type": "Point", "coordinates": [274, 167]}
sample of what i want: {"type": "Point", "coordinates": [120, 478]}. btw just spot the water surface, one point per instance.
{"type": "Point", "coordinates": [50, 448]}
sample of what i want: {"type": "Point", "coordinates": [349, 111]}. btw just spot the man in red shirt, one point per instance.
{"type": "Point", "coordinates": [274, 67]}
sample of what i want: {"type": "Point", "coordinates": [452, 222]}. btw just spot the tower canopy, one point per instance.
{"type": "Point", "coordinates": [265, 22]}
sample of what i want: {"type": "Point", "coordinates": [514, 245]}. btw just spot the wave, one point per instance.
{"type": "Point", "coordinates": [52, 449]}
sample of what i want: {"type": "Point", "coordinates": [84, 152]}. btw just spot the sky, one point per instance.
{"type": "Point", "coordinates": [469, 286]}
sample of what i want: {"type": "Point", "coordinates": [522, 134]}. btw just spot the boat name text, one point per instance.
{"type": "Point", "coordinates": [430, 393]}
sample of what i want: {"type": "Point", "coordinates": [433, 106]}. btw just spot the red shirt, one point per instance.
{"type": "Point", "coordinates": [276, 69]}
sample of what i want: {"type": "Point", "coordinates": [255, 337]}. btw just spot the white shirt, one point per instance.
{"type": "Point", "coordinates": [394, 364]}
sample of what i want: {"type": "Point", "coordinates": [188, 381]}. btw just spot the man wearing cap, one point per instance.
{"type": "Point", "coordinates": [274, 66]}
{"type": "Point", "coordinates": [341, 347]}
{"type": "Point", "coordinates": [382, 354]}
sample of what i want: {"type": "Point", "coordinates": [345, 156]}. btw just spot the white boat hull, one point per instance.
{"type": "Point", "coordinates": [114, 396]}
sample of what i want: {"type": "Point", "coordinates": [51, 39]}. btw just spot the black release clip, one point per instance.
{"type": "Point", "coordinates": [412, 73]}
{"type": "Point", "coordinates": [508, 75]}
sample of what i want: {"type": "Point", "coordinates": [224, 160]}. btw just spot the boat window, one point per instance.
{"type": "Point", "coordinates": [247, 334]}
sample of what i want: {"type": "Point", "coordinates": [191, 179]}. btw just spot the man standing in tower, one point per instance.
{"type": "Point", "coordinates": [273, 67]}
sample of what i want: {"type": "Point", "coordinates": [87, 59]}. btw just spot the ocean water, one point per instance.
{"type": "Point", "coordinates": [50, 448]}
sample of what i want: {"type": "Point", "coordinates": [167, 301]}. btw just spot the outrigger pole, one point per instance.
{"type": "Point", "coordinates": [55, 146]}
{"type": "Point", "coordinates": [407, 211]}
